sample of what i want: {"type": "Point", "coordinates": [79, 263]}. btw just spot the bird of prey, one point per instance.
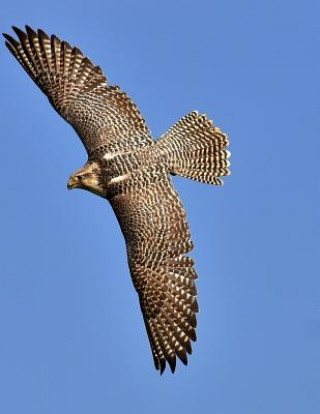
{"type": "Point", "coordinates": [133, 172]}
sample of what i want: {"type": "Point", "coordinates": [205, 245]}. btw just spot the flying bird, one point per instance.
{"type": "Point", "coordinates": [131, 170]}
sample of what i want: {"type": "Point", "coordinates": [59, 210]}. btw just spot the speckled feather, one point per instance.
{"type": "Point", "coordinates": [154, 225]}
{"type": "Point", "coordinates": [134, 174]}
{"type": "Point", "coordinates": [102, 115]}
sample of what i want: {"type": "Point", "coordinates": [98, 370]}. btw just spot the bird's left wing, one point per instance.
{"type": "Point", "coordinates": [157, 236]}
{"type": "Point", "coordinates": [104, 117]}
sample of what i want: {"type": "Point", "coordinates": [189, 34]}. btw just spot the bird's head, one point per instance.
{"type": "Point", "coordinates": [88, 178]}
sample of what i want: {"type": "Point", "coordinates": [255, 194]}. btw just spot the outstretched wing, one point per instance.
{"type": "Point", "coordinates": [157, 236]}
{"type": "Point", "coordinates": [103, 116]}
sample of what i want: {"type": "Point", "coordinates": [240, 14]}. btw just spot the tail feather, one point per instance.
{"type": "Point", "coordinates": [197, 149]}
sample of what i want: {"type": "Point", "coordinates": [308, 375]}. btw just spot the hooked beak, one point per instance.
{"type": "Point", "coordinates": [72, 183]}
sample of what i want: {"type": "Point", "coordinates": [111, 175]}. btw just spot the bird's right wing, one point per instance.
{"type": "Point", "coordinates": [104, 117]}
{"type": "Point", "coordinates": [157, 236]}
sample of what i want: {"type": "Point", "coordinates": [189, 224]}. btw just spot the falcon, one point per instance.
{"type": "Point", "coordinates": [131, 170]}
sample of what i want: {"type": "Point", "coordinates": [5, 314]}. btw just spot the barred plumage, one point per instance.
{"type": "Point", "coordinates": [77, 89]}
{"type": "Point", "coordinates": [197, 149]}
{"type": "Point", "coordinates": [132, 171]}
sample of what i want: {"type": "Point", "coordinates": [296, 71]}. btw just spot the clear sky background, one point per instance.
{"type": "Point", "coordinates": [72, 339]}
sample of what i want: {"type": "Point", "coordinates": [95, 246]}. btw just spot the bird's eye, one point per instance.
{"type": "Point", "coordinates": [80, 177]}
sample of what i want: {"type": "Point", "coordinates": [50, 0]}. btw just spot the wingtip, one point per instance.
{"type": "Point", "coordinates": [9, 46]}
{"type": "Point", "coordinates": [42, 33]}
{"type": "Point", "coordinates": [184, 359]}
{"type": "Point", "coordinates": [6, 36]}
{"type": "Point", "coordinates": [28, 28]}
{"type": "Point", "coordinates": [20, 33]}
{"type": "Point", "coordinates": [173, 368]}
{"type": "Point", "coordinates": [172, 363]}
{"type": "Point", "coordinates": [31, 33]}
{"type": "Point", "coordinates": [10, 41]}
{"type": "Point", "coordinates": [162, 366]}
{"type": "Point", "coordinates": [17, 30]}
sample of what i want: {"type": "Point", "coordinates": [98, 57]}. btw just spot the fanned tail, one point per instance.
{"type": "Point", "coordinates": [197, 149]}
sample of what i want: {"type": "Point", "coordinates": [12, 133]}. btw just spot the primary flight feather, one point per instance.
{"type": "Point", "coordinates": [132, 171]}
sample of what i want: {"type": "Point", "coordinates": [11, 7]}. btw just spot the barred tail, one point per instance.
{"type": "Point", "coordinates": [197, 149]}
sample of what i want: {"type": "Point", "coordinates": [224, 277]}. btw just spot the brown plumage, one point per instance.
{"type": "Point", "coordinates": [127, 167]}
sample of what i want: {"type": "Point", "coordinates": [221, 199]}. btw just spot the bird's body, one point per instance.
{"type": "Point", "coordinates": [132, 171]}
{"type": "Point", "coordinates": [102, 174]}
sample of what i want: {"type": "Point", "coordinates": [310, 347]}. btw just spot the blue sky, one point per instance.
{"type": "Point", "coordinates": [72, 340]}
